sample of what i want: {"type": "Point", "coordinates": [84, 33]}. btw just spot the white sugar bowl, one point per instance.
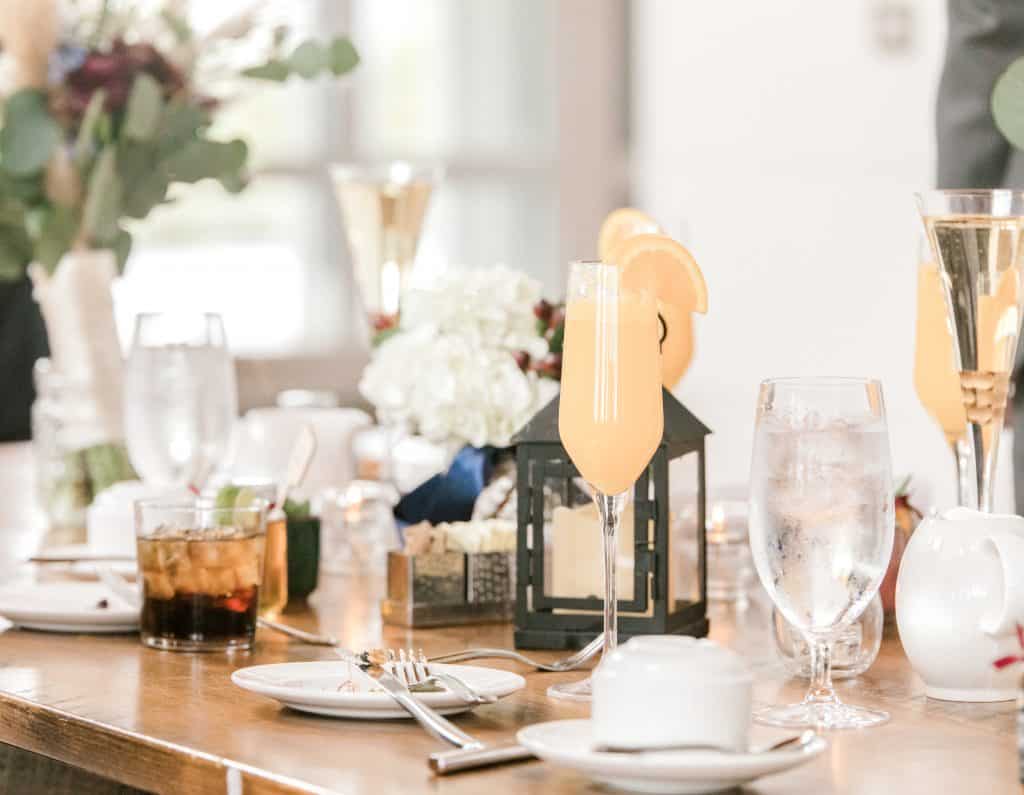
{"type": "Point", "coordinates": [671, 689]}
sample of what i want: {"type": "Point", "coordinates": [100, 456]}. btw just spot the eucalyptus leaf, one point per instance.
{"type": "Point", "coordinates": [342, 56]}
{"type": "Point", "coordinates": [1008, 103]}
{"type": "Point", "coordinates": [15, 245]}
{"type": "Point", "coordinates": [308, 60]}
{"type": "Point", "coordinates": [277, 71]}
{"type": "Point", "coordinates": [29, 133]}
{"type": "Point", "coordinates": [142, 114]}
{"type": "Point", "coordinates": [27, 190]}
{"type": "Point", "coordinates": [103, 199]}
{"type": "Point", "coordinates": [86, 141]}
{"type": "Point", "coordinates": [179, 124]}
{"type": "Point", "coordinates": [121, 245]}
{"type": "Point", "coordinates": [203, 159]}
{"type": "Point", "coordinates": [145, 193]}
{"type": "Point", "coordinates": [59, 227]}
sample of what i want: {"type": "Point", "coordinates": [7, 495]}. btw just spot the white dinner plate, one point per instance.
{"type": "Point", "coordinates": [84, 569]}
{"type": "Point", "coordinates": [568, 743]}
{"type": "Point", "coordinates": [316, 687]}
{"type": "Point", "coordinates": [66, 607]}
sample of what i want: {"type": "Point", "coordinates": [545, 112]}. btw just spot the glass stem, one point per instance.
{"type": "Point", "coordinates": [611, 508]}
{"type": "Point", "coordinates": [965, 489]}
{"type": "Point", "coordinates": [820, 690]}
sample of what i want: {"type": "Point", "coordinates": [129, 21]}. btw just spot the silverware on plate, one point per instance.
{"type": "Point", "coordinates": [395, 675]}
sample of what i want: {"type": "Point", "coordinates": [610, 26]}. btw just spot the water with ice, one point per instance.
{"type": "Point", "coordinates": [180, 404]}
{"type": "Point", "coordinates": [821, 521]}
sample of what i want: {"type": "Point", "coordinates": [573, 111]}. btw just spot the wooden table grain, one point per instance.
{"type": "Point", "coordinates": [173, 723]}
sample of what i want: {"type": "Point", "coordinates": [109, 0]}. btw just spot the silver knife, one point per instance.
{"type": "Point", "coordinates": [433, 722]}
{"type": "Point", "coordinates": [470, 753]}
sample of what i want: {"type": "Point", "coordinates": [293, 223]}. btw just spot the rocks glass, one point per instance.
{"type": "Point", "coordinates": [201, 568]}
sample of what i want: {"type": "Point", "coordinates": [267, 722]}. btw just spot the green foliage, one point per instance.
{"type": "Point", "coordinates": [29, 133]}
{"type": "Point", "coordinates": [93, 121]}
{"type": "Point", "coordinates": [145, 106]}
{"type": "Point", "coordinates": [58, 228]}
{"type": "Point", "coordinates": [309, 59]}
{"type": "Point", "coordinates": [102, 206]}
{"type": "Point", "coordinates": [125, 160]}
{"type": "Point", "coordinates": [15, 245]}
{"type": "Point", "coordinates": [1008, 103]}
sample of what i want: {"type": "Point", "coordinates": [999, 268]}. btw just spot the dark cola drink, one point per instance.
{"type": "Point", "coordinates": [200, 589]}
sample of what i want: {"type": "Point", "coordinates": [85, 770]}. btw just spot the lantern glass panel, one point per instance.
{"type": "Point", "coordinates": [685, 584]}
{"type": "Point", "coordinates": [573, 566]}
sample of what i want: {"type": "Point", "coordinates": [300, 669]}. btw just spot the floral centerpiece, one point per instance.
{"type": "Point", "coordinates": [474, 357]}
{"type": "Point", "coordinates": [107, 106]}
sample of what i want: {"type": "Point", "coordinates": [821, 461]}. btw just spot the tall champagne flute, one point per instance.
{"type": "Point", "coordinates": [936, 378]}
{"type": "Point", "coordinates": [976, 238]}
{"type": "Point", "coordinates": [180, 397]}
{"type": "Point", "coordinates": [821, 523]}
{"type": "Point", "coordinates": [610, 411]}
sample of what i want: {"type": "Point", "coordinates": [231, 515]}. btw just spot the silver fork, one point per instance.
{"type": "Point", "coordinates": [413, 670]}
{"type": "Point", "coordinates": [568, 664]}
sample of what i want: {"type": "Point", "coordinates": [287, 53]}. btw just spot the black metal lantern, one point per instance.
{"type": "Point", "coordinates": [558, 605]}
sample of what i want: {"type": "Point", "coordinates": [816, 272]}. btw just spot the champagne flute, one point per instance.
{"type": "Point", "coordinates": [180, 397]}
{"type": "Point", "coordinates": [610, 410]}
{"type": "Point", "coordinates": [821, 523]}
{"type": "Point", "coordinates": [936, 379]}
{"type": "Point", "coordinates": [976, 238]}
{"type": "Point", "coordinates": [383, 207]}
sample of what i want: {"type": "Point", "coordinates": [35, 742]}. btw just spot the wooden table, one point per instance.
{"type": "Point", "coordinates": [173, 723]}
{"type": "Point", "coordinates": [112, 713]}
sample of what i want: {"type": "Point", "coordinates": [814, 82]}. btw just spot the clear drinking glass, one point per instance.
{"type": "Point", "coordinates": [821, 523]}
{"type": "Point", "coordinates": [180, 399]}
{"type": "Point", "coordinates": [975, 236]}
{"type": "Point", "coordinates": [201, 569]}
{"type": "Point", "coordinates": [610, 411]}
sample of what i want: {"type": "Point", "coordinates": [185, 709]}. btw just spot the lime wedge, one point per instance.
{"type": "Point", "coordinates": [243, 518]}
{"type": "Point", "coordinates": [227, 495]}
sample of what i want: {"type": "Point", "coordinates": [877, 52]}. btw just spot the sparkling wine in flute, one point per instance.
{"type": "Point", "coordinates": [980, 258]}
{"type": "Point", "coordinates": [382, 210]}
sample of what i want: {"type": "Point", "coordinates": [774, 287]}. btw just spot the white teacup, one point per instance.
{"type": "Point", "coordinates": [669, 689]}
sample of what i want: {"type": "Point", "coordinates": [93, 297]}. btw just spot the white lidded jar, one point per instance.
{"type": "Point", "coordinates": [668, 689]}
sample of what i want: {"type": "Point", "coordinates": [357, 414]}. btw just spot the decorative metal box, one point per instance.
{"type": "Point", "coordinates": [448, 588]}
{"type": "Point", "coordinates": [558, 585]}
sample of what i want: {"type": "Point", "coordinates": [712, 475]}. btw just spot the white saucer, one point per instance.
{"type": "Point", "coordinates": [313, 687]}
{"type": "Point", "coordinates": [66, 607]}
{"type": "Point", "coordinates": [568, 743]}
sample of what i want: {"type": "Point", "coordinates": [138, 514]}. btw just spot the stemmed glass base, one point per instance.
{"type": "Point", "coordinates": [820, 715]}
{"type": "Point", "coordinates": [572, 691]}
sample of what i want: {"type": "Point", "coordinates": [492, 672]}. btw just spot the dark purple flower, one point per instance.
{"type": "Point", "coordinates": [115, 71]}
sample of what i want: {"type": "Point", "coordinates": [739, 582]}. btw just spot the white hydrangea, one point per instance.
{"type": "Point", "coordinates": [450, 371]}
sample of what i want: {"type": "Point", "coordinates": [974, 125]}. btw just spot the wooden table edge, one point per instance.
{"type": "Point", "coordinates": [134, 759]}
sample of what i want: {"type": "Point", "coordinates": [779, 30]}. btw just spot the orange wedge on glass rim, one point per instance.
{"type": "Point", "coordinates": [621, 224]}
{"type": "Point", "coordinates": [679, 285]}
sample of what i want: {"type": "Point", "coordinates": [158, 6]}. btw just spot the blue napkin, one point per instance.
{"type": "Point", "coordinates": [449, 497]}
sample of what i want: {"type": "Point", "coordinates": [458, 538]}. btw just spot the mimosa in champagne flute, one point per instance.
{"type": "Point", "coordinates": [610, 412]}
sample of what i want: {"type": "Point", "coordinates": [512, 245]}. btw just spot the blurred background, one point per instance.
{"type": "Point", "coordinates": [789, 172]}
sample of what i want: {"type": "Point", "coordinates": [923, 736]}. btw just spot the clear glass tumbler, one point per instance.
{"type": "Point", "coordinates": [201, 569]}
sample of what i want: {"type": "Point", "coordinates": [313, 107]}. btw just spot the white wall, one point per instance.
{"type": "Point", "coordinates": [784, 146]}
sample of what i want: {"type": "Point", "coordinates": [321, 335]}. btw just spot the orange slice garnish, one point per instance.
{"type": "Point", "coordinates": [620, 225]}
{"type": "Point", "coordinates": [670, 269]}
